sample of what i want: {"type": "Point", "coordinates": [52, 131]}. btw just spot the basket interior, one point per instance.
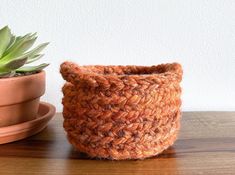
{"type": "Point", "coordinates": [125, 70]}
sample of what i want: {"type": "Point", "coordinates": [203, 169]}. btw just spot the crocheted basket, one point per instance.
{"type": "Point", "coordinates": [121, 112]}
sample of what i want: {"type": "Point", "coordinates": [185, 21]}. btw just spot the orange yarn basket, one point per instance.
{"type": "Point", "coordinates": [121, 112]}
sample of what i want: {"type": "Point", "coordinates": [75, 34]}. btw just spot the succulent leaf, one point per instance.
{"type": "Point", "coordinates": [34, 58]}
{"type": "Point", "coordinates": [17, 44]}
{"type": "Point", "coordinates": [14, 53]}
{"type": "Point", "coordinates": [5, 38]}
{"type": "Point", "coordinates": [27, 54]}
{"type": "Point", "coordinates": [36, 50]}
{"type": "Point", "coordinates": [10, 47]}
{"type": "Point", "coordinates": [7, 74]}
{"type": "Point", "coordinates": [23, 46]}
{"type": "Point", "coordinates": [12, 41]}
{"type": "Point", "coordinates": [13, 64]}
{"type": "Point", "coordinates": [32, 68]}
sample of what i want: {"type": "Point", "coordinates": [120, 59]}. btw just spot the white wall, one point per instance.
{"type": "Point", "coordinates": [200, 34]}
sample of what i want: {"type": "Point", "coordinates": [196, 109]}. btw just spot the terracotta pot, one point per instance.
{"type": "Point", "coordinates": [19, 98]}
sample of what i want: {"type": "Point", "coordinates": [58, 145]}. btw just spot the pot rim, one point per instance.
{"type": "Point", "coordinates": [16, 90]}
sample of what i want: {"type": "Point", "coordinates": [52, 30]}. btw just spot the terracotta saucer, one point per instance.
{"type": "Point", "coordinates": [20, 131]}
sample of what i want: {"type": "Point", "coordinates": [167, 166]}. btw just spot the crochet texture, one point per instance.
{"type": "Point", "coordinates": [121, 112]}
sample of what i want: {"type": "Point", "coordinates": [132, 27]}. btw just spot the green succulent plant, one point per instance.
{"type": "Point", "coordinates": [15, 53]}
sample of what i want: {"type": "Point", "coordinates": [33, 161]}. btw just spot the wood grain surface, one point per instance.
{"type": "Point", "coordinates": [206, 145]}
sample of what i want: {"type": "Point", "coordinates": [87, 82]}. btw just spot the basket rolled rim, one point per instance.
{"type": "Point", "coordinates": [93, 74]}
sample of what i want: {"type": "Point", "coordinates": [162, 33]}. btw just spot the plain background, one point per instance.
{"type": "Point", "coordinates": [199, 34]}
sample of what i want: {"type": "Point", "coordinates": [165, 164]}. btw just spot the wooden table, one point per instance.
{"type": "Point", "coordinates": [206, 145]}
